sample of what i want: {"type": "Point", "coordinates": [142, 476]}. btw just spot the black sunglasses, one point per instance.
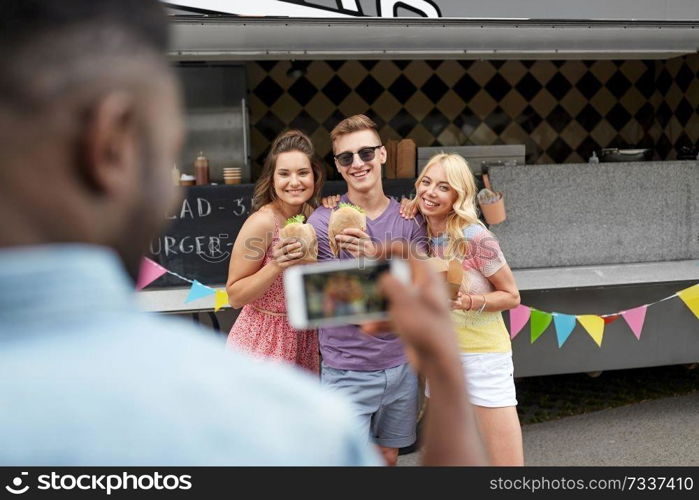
{"type": "Point", "coordinates": [365, 154]}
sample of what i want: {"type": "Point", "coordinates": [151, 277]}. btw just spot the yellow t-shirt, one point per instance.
{"type": "Point", "coordinates": [486, 331]}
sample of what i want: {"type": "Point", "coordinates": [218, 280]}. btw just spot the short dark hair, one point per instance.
{"type": "Point", "coordinates": [41, 40]}
{"type": "Point", "coordinates": [26, 19]}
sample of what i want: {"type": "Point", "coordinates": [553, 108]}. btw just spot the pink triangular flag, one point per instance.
{"type": "Point", "coordinates": [518, 318]}
{"type": "Point", "coordinates": [149, 272]}
{"type": "Point", "coordinates": [635, 318]}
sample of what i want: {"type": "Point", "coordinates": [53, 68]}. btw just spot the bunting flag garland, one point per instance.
{"type": "Point", "coordinates": [539, 322]}
{"type": "Point", "coordinates": [220, 300]}
{"type": "Point", "coordinates": [518, 318]}
{"type": "Point", "coordinates": [198, 291]}
{"type": "Point", "coordinates": [690, 296]}
{"type": "Point", "coordinates": [635, 318]}
{"type": "Point", "coordinates": [594, 325]}
{"type": "Point", "coordinates": [565, 324]}
{"type": "Point", "coordinates": [148, 273]}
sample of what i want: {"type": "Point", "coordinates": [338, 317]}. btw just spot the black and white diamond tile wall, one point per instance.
{"type": "Point", "coordinates": [561, 110]}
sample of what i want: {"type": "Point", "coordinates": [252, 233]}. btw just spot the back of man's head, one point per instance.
{"type": "Point", "coordinates": [42, 36]}
{"type": "Point", "coordinates": [89, 113]}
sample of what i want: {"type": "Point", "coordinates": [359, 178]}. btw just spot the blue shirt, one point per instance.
{"type": "Point", "coordinates": [347, 347]}
{"type": "Point", "coordinates": [87, 379]}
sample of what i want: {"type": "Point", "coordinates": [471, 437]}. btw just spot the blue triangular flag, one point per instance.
{"type": "Point", "coordinates": [199, 291]}
{"type": "Point", "coordinates": [564, 323]}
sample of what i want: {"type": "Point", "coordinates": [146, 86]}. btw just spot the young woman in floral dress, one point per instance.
{"type": "Point", "coordinates": [289, 185]}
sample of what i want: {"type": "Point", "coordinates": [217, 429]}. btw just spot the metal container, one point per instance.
{"type": "Point", "coordinates": [622, 155]}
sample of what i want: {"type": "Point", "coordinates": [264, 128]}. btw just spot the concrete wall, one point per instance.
{"type": "Point", "coordinates": [581, 214]}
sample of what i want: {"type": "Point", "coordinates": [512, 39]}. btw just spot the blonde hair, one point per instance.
{"type": "Point", "coordinates": [290, 140]}
{"type": "Point", "coordinates": [353, 124]}
{"type": "Point", "coordinates": [463, 213]}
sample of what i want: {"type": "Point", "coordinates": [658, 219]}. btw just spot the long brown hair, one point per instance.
{"type": "Point", "coordinates": [290, 140]}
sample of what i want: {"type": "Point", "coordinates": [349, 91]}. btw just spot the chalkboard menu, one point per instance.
{"type": "Point", "coordinates": [198, 242]}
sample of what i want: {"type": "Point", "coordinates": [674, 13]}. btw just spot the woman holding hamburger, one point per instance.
{"type": "Point", "coordinates": [288, 190]}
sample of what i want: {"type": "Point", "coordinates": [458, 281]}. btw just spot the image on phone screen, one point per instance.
{"type": "Point", "coordinates": [341, 293]}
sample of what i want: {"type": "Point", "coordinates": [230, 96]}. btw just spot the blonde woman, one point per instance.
{"type": "Point", "coordinates": [446, 197]}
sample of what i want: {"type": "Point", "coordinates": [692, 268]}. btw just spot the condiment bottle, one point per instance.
{"type": "Point", "coordinates": [175, 175]}
{"type": "Point", "coordinates": [201, 169]}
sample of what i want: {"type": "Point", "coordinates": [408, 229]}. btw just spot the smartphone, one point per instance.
{"type": "Point", "coordinates": [338, 292]}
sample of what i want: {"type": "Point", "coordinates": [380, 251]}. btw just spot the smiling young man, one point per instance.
{"type": "Point", "coordinates": [371, 370]}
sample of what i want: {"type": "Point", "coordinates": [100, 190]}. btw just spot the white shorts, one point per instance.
{"type": "Point", "coordinates": [489, 379]}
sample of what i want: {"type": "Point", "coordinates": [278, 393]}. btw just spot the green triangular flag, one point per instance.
{"type": "Point", "coordinates": [539, 322]}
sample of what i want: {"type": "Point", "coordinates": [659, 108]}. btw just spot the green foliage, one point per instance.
{"type": "Point", "coordinates": [349, 205]}
{"type": "Point", "coordinates": [296, 219]}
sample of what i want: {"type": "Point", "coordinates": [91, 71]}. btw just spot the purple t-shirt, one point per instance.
{"type": "Point", "coordinates": [347, 347]}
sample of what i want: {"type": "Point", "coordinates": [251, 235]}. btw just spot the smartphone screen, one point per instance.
{"type": "Point", "coordinates": [339, 292]}
{"type": "Point", "coordinates": [343, 293]}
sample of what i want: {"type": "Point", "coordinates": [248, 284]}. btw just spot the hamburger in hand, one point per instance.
{"type": "Point", "coordinates": [346, 216]}
{"type": "Point", "coordinates": [305, 234]}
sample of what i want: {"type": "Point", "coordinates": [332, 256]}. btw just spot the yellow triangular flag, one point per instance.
{"type": "Point", "coordinates": [220, 300]}
{"type": "Point", "coordinates": [690, 296]}
{"type": "Point", "coordinates": [594, 326]}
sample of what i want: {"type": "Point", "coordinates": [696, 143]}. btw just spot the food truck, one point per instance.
{"type": "Point", "coordinates": [584, 115]}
